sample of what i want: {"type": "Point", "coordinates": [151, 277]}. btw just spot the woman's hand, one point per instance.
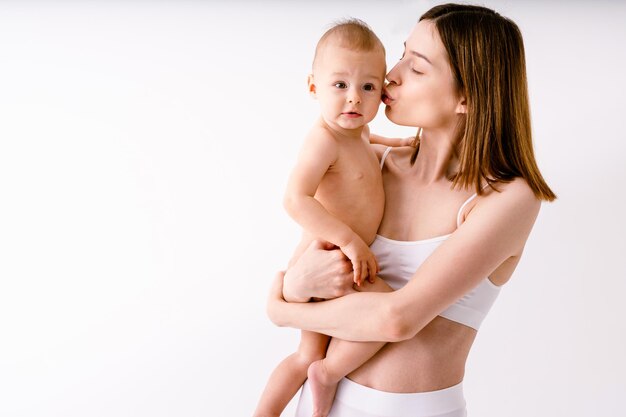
{"type": "Point", "coordinates": [340, 317]}
{"type": "Point", "coordinates": [363, 260]}
{"type": "Point", "coordinates": [322, 271]}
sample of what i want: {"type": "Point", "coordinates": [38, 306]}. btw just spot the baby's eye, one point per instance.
{"type": "Point", "coordinates": [340, 84]}
{"type": "Point", "coordinates": [369, 87]}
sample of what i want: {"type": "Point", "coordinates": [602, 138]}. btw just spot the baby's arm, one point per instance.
{"type": "Point", "coordinates": [395, 142]}
{"type": "Point", "coordinates": [318, 155]}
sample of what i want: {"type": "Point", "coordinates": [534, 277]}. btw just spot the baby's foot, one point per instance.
{"type": "Point", "coordinates": [323, 388]}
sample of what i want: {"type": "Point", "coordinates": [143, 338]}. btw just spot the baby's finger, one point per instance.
{"type": "Point", "coordinates": [357, 272]}
{"type": "Point", "coordinates": [322, 244]}
{"type": "Point", "coordinates": [372, 270]}
{"type": "Point", "coordinates": [364, 270]}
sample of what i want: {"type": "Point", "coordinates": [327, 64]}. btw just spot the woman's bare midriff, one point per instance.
{"type": "Point", "coordinates": [434, 359]}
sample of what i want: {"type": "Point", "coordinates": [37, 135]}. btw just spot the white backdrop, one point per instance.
{"type": "Point", "coordinates": [144, 149]}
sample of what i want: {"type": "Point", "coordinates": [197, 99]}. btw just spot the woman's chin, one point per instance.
{"type": "Point", "coordinates": [394, 117]}
{"type": "Point", "coordinates": [389, 113]}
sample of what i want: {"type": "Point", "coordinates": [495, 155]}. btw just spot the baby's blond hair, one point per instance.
{"type": "Point", "coordinates": [351, 33]}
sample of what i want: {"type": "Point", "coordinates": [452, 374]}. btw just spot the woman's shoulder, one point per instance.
{"type": "Point", "coordinates": [506, 213]}
{"type": "Point", "coordinates": [516, 188]}
{"type": "Point", "coordinates": [516, 193]}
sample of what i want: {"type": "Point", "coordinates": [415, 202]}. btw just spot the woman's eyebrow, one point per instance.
{"type": "Point", "coordinates": [417, 54]}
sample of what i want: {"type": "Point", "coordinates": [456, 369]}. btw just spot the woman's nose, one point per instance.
{"type": "Point", "coordinates": [393, 75]}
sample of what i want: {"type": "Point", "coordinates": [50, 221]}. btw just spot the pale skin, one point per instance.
{"type": "Point", "coordinates": [335, 193]}
{"type": "Point", "coordinates": [394, 142]}
{"type": "Point", "coordinates": [427, 352]}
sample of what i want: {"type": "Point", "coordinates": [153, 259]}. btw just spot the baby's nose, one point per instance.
{"type": "Point", "coordinates": [354, 98]}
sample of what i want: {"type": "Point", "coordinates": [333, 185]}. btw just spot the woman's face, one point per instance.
{"type": "Point", "coordinates": [422, 90]}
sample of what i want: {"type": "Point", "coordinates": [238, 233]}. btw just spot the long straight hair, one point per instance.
{"type": "Point", "coordinates": [486, 55]}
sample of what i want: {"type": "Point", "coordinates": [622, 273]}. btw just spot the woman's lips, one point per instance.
{"type": "Point", "coordinates": [386, 99]}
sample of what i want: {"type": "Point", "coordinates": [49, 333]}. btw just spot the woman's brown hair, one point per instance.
{"type": "Point", "coordinates": [486, 54]}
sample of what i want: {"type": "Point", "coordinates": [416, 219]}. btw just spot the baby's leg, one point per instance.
{"type": "Point", "coordinates": [290, 374]}
{"type": "Point", "coordinates": [342, 358]}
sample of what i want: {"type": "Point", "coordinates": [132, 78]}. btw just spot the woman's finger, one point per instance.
{"type": "Point", "coordinates": [278, 284]}
{"type": "Point", "coordinates": [275, 296]}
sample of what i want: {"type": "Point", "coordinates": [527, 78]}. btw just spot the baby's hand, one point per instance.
{"type": "Point", "coordinates": [363, 260]}
{"type": "Point", "coordinates": [412, 141]}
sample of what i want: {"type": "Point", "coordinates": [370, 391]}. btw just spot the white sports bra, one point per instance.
{"type": "Point", "coordinates": [398, 260]}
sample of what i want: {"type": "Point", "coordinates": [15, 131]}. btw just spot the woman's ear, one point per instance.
{"type": "Point", "coordinates": [311, 84]}
{"type": "Point", "coordinates": [461, 106]}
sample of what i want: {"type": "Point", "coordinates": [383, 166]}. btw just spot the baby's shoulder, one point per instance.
{"type": "Point", "coordinates": [321, 136]}
{"type": "Point", "coordinates": [320, 144]}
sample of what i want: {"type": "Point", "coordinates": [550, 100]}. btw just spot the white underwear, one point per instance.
{"type": "Point", "coordinates": [355, 400]}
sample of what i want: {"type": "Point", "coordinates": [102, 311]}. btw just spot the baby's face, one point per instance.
{"type": "Point", "coordinates": [348, 85]}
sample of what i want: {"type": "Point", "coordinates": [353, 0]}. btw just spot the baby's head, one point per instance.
{"type": "Point", "coordinates": [348, 74]}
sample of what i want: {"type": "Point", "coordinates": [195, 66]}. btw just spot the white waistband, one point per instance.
{"type": "Point", "coordinates": [400, 404]}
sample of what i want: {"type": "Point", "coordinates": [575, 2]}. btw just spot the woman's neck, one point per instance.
{"type": "Point", "coordinates": [438, 157]}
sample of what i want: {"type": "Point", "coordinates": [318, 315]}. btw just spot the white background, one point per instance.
{"type": "Point", "coordinates": [144, 149]}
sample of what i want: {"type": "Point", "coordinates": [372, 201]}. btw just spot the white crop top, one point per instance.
{"type": "Point", "coordinates": [398, 260]}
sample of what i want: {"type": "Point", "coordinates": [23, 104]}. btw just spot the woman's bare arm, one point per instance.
{"type": "Point", "coordinates": [496, 229]}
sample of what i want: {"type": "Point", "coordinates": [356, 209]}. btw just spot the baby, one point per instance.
{"type": "Point", "coordinates": [335, 193]}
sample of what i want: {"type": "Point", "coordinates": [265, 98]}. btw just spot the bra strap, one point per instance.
{"type": "Point", "coordinates": [382, 160]}
{"type": "Point", "coordinates": [458, 216]}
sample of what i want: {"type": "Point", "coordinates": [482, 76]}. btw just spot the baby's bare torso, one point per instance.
{"type": "Point", "coordinates": [351, 190]}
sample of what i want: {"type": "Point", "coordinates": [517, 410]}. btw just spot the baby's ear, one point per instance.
{"type": "Point", "coordinates": [311, 84]}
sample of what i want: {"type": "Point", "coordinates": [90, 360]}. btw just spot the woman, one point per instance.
{"type": "Point", "coordinates": [458, 212]}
